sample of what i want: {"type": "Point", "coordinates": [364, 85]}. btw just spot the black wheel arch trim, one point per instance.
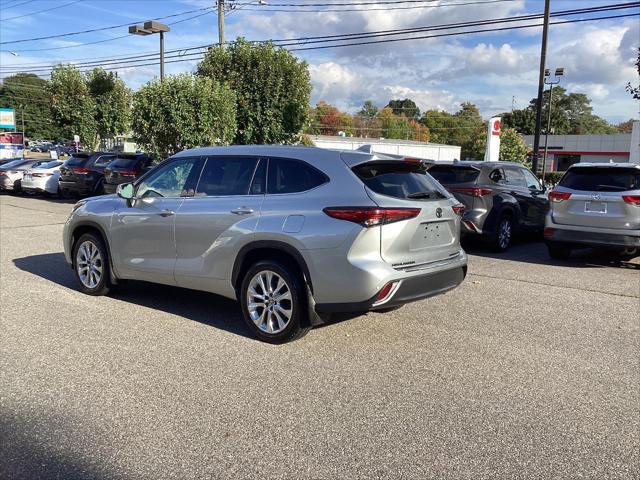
{"type": "Point", "coordinates": [273, 245]}
{"type": "Point", "coordinates": [105, 239]}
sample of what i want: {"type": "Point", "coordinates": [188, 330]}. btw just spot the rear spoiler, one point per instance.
{"type": "Point", "coordinates": [367, 154]}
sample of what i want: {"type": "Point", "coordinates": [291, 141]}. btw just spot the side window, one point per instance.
{"type": "Point", "coordinates": [175, 179]}
{"type": "Point", "coordinates": [258, 184]}
{"type": "Point", "coordinates": [497, 176]}
{"type": "Point", "coordinates": [291, 176]}
{"type": "Point", "coordinates": [514, 177]}
{"type": "Point", "coordinates": [226, 176]}
{"type": "Point", "coordinates": [104, 160]}
{"type": "Point", "coordinates": [531, 180]}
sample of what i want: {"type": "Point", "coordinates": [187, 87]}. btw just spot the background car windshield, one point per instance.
{"type": "Point", "coordinates": [449, 174]}
{"type": "Point", "coordinates": [15, 163]}
{"type": "Point", "coordinates": [44, 165]}
{"type": "Point", "coordinates": [601, 179]}
{"type": "Point", "coordinates": [125, 163]}
{"type": "Point", "coordinates": [170, 181]}
{"type": "Point", "coordinates": [399, 179]}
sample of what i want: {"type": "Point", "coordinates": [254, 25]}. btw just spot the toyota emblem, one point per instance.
{"type": "Point", "coordinates": [596, 196]}
{"type": "Point", "coordinates": [438, 212]}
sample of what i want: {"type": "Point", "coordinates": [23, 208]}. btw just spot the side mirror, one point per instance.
{"type": "Point", "coordinates": [125, 190]}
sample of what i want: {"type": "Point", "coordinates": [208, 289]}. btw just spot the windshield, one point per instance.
{"type": "Point", "coordinates": [125, 163]}
{"type": "Point", "coordinates": [601, 179]}
{"type": "Point", "coordinates": [399, 180]}
{"type": "Point", "coordinates": [448, 174]}
{"type": "Point", "coordinates": [44, 165]}
{"type": "Point", "coordinates": [15, 163]}
{"type": "Point", "coordinates": [77, 160]}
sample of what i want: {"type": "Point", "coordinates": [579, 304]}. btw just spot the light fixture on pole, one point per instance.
{"type": "Point", "coordinates": [547, 73]}
{"type": "Point", "coordinates": [149, 28]}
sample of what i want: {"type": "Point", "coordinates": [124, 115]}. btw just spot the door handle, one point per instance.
{"type": "Point", "coordinates": [167, 213]}
{"type": "Point", "coordinates": [242, 211]}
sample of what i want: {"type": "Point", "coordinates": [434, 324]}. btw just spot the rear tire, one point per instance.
{"type": "Point", "coordinates": [273, 302]}
{"type": "Point", "coordinates": [501, 239]}
{"type": "Point", "coordinates": [91, 265]}
{"type": "Point", "coordinates": [559, 251]}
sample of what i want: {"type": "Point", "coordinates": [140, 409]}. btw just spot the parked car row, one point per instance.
{"type": "Point", "coordinates": [81, 174]}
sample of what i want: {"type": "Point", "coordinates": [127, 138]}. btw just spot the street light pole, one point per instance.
{"type": "Point", "coordinates": [149, 28]}
{"type": "Point", "coordinates": [558, 73]}
{"type": "Point", "coordinates": [543, 59]}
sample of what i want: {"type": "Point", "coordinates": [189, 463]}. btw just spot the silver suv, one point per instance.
{"type": "Point", "coordinates": [295, 234]}
{"type": "Point", "coordinates": [595, 205]}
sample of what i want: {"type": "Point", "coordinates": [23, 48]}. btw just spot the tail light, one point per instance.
{"type": "Point", "coordinates": [633, 199]}
{"type": "Point", "coordinates": [558, 196]}
{"type": "Point", "coordinates": [371, 216]}
{"type": "Point", "coordinates": [127, 171]}
{"type": "Point", "coordinates": [42, 174]}
{"type": "Point", "coordinates": [80, 170]}
{"type": "Point", "coordinates": [548, 232]}
{"type": "Point", "coordinates": [473, 191]}
{"type": "Point", "coordinates": [458, 209]}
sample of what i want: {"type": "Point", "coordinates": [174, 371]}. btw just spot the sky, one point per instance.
{"type": "Point", "coordinates": [495, 70]}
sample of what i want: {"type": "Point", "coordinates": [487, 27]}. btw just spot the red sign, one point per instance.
{"type": "Point", "coordinates": [495, 128]}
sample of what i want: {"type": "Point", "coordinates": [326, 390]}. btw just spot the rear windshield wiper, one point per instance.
{"type": "Point", "coordinates": [432, 195]}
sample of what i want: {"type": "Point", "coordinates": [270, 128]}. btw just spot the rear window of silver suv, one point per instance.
{"type": "Point", "coordinates": [601, 179]}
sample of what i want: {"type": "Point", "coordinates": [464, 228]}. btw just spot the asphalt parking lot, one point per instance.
{"type": "Point", "coordinates": [529, 370]}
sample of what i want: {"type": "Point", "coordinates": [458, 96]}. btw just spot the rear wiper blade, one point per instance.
{"type": "Point", "coordinates": [425, 195]}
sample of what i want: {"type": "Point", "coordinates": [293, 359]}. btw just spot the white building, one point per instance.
{"type": "Point", "coordinates": [408, 148]}
{"type": "Point", "coordinates": [565, 150]}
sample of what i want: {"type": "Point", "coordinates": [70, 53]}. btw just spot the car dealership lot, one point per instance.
{"type": "Point", "coordinates": [529, 369]}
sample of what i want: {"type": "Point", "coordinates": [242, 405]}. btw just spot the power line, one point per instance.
{"type": "Point", "coordinates": [386, 40]}
{"type": "Point", "coordinates": [6, 7]}
{"type": "Point", "coordinates": [41, 11]}
{"type": "Point", "coordinates": [101, 29]}
{"type": "Point", "coordinates": [122, 61]}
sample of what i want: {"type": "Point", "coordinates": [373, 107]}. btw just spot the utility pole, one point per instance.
{"type": "Point", "coordinates": [221, 22]}
{"type": "Point", "coordinates": [22, 109]}
{"type": "Point", "coordinates": [543, 59]}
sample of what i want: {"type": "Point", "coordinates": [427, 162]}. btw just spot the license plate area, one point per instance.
{"type": "Point", "coordinates": [431, 234]}
{"type": "Point", "coordinates": [595, 207]}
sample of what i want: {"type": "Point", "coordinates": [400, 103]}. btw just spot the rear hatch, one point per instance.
{"type": "Point", "coordinates": [460, 180]}
{"type": "Point", "coordinates": [75, 168]}
{"type": "Point", "coordinates": [599, 196]}
{"type": "Point", "coordinates": [122, 170]}
{"type": "Point", "coordinates": [432, 234]}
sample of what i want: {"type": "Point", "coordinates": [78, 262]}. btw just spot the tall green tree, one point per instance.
{"type": "Point", "coordinates": [571, 113]}
{"type": "Point", "coordinates": [113, 102]}
{"type": "Point", "coordinates": [512, 147]}
{"type": "Point", "coordinates": [183, 111]}
{"type": "Point", "coordinates": [368, 110]}
{"type": "Point", "coordinates": [272, 89]}
{"type": "Point", "coordinates": [405, 107]}
{"type": "Point", "coordinates": [29, 94]}
{"type": "Point", "coordinates": [464, 128]}
{"type": "Point", "coordinates": [72, 106]}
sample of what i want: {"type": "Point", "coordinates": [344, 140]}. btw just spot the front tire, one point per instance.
{"type": "Point", "coordinates": [91, 265]}
{"type": "Point", "coordinates": [273, 302]}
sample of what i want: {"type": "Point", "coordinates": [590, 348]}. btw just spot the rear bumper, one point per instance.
{"type": "Point", "coordinates": [77, 186]}
{"type": "Point", "coordinates": [590, 238]}
{"type": "Point", "coordinates": [411, 289]}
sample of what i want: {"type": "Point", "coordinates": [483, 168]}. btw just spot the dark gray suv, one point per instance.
{"type": "Point", "coordinates": [501, 198]}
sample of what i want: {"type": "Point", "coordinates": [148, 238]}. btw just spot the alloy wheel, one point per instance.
{"type": "Point", "coordinates": [269, 302]}
{"type": "Point", "coordinates": [89, 264]}
{"type": "Point", "coordinates": [504, 233]}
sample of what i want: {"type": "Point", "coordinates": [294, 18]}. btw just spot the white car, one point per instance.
{"type": "Point", "coordinates": [11, 173]}
{"type": "Point", "coordinates": [42, 177]}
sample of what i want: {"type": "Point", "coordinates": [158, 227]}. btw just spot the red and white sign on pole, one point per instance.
{"type": "Point", "coordinates": [493, 141]}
